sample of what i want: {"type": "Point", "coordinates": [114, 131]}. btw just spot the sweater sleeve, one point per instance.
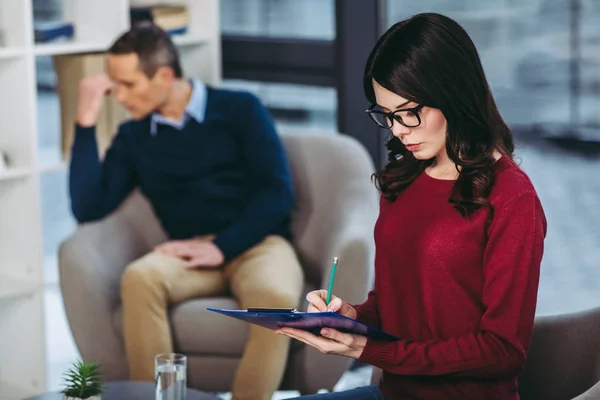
{"type": "Point", "coordinates": [511, 269]}
{"type": "Point", "coordinates": [268, 176]}
{"type": "Point", "coordinates": [367, 311]}
{"type": "Point", "coordinates": [98, 187]}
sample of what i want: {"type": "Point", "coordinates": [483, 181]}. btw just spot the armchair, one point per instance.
{"type": "Point", "coordinates": [563, 361]}
{"type": "Point", "coordinates": [564, 358]}
{"type": "Point", "coordinates": [336, 208]}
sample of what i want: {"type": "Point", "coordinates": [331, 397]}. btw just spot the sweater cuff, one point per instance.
{"type": "Point", "coordinates": [84, 134]}
{"type": "Point", "coordinates": [229, 248]}
{"type": "Point", "coordinates": [377, 353]}
{"type": "Point", "coordinates": [84, 130]}
{"type": "Point", "coordinates": [365, 317]}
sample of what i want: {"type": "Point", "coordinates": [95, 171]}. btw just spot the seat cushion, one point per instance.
{"type": "Point", "coordinates": [199, 331]}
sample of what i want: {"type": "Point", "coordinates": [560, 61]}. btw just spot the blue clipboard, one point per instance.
{"type": "Point", "coordinates": [308, 321]}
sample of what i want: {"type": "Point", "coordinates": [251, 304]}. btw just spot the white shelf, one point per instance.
{"type": "Point", "coordinates": [15, 173]}
{"type": "Point", "coordinates": [190, 40]}
{"type": "Point", "coordinates": [13, 287]}
{"type": "Point", "coordinates": [73, 47]}
{"type": "Point", "coordinates": [11, 52]}
{"type": "Point", "coordinates": [68, 48]}
{"type": "Point", "coordinates": [30, 137]}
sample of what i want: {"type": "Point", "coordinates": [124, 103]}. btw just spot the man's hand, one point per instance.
{"type": "Point", "coordinates": [195, 253]}
{"type": "Point", "coordinates": [316, 303]}
{"type": "Point", "coordinates": [92, 90]}
{"type": "Point", "coordinates": [331, 342]}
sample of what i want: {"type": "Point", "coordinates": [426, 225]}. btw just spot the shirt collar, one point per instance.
{"type": "Point", "coordinates": [196, 109]}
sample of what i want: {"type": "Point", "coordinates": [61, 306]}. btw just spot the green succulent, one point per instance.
{"type": "Point", "coordinates": [83, 380]}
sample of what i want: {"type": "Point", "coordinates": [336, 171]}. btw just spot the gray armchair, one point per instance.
{"type": "Point", "coordinates": [563, 362]}
{"type": "Point", "coordinates": [336, 208]}
{"type": "Point", "coordinates": [564, 358]}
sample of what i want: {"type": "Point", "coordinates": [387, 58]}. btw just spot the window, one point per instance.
{"type": "Point", "coordinates": [297, 84]}
{"type": "Point", "coordinates": [542, 60]}
{"type": "Point", "coordinates": [306, 19]}
{"type": "Point", "coordinates": [293, 105]}
{"type": "Point", "coordinates": [527, 53]}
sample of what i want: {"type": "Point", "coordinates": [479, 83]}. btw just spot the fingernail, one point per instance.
{"type": "Point", "coordinates": [325, 332]}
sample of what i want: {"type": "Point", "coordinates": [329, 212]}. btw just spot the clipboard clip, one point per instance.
{"type": "Point", "coordinates": [270, 309]}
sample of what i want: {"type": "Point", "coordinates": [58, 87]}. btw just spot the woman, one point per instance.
{"type": "Point", "coordinates": [459, 238]}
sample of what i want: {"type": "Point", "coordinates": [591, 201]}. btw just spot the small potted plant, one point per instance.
{"type": "Point", "coordinates": [83, 381]}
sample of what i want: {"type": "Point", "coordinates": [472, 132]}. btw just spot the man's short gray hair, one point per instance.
{"type": "Point", "coordinates": [153, 47]}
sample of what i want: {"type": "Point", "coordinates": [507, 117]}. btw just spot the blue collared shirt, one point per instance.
{"type": "Point", "coordinates": [196, 109]}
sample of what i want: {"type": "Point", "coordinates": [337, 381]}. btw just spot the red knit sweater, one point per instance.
{"type": "Point", "coordinates": [463, 305]}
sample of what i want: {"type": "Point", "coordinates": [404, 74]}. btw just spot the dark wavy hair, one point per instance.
{"type": "Point", "coordinates": [431, 60]}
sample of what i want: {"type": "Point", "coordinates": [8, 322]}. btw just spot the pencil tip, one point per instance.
{"type": "Point", "coordinates": [335, 259]}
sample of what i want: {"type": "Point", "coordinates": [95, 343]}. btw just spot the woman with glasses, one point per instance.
{"type": "Point", "coordinates": [459, 238]}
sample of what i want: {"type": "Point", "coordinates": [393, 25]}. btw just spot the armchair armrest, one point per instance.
{"type": "Point", "coordinates": [563, 360]}
{"type": "Point", "coordinates": [592, 394]}
{"type": "Point", "coordinates": [336, 210]}
{"type": "Point", "coordinates": [91, 262]}
{"type": "Point", "coordinates": [313, 370]}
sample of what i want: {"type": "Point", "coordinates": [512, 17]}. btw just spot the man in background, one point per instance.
{"type": "Point", "coordinates": [212, 166]}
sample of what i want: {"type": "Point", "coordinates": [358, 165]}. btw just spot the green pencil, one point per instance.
{"type": "Point", "coordinates": [331, 279]}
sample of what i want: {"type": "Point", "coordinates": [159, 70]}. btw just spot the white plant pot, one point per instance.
{"type": "Point", "coordinates": [77, 398]}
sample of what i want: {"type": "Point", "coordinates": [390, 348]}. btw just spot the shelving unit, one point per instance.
{"type": "Point", "coordinates": [23, 356]}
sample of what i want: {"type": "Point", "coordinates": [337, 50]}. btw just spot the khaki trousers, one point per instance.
{"type": "Point", "coordinates": [267, 275]}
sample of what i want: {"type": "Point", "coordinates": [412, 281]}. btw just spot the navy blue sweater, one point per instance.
{"type": "Point", "coordinates": [226, 176]}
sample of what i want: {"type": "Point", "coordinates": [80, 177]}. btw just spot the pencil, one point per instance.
{"type": "Point", "coordinates": [331, 279]}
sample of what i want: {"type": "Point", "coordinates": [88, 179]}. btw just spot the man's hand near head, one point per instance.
{"type": "Point", "coordinates": [92, 91]}
{"type": "Point", "coordinates": [195, 253]}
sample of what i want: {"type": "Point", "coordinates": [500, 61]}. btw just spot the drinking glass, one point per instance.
{"type": "Point", "coordinates": [170, 371]}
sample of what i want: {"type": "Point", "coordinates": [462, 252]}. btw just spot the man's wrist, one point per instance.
{"type": "Point", "coordinates": [87, 120]}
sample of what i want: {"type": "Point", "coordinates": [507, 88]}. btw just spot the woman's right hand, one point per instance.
{"type": "Point", "coordinates": [316, 303]}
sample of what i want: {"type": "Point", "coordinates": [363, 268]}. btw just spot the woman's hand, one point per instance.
{"type": "Point", "coordinates": [331, 340]}
{"type": "Point", "coordinates": [316, 303]}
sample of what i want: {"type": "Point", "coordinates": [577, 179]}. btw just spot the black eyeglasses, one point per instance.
{"type": "Point", "coordinates": [408, 117]}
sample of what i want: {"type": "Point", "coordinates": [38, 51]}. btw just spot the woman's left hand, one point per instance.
{"type": "Point", "coordinates": [331, 342]}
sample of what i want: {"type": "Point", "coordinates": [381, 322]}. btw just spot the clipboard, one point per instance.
{"type": "Point", "coordinates": [309, 321]}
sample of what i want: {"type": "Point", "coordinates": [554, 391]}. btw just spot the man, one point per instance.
{"type": "Point", "coordinates": [212, 166]}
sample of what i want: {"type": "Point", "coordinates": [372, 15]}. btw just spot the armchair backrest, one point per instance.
{"type": "Point", "coordinates": [332, 181]}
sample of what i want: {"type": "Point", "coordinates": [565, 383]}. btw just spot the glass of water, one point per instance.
{"type": "Point", "coordinates": [170, 370]}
